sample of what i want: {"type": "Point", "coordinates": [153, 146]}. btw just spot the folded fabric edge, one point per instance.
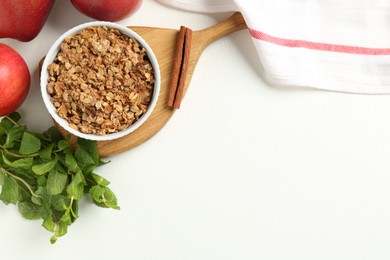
{"type": "Point", "coordinates": [328, 86]}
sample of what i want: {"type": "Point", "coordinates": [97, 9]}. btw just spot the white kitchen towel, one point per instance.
{"type": "Point", "coordinates": [338, 45]}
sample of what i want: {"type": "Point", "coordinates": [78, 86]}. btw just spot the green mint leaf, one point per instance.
{"type": "Point", "coordinates": [97, 193]}
{"type": "Point", "coordinates": [2, 133]}
{"type": "Point", "coordinates": [66, 218]}
{"type": "Point", "coordinates": [25, 174]}
{"type": "Point", "coordinates": [61, 168]}
{"type": "Point", "coordinates": [13, 135]}
{"type": "Point", "coordinates": [39, 199]}
{"type": "Point", "coordinates": [75, 209]}
{"type": "Point", "coordinates": [24, 163]}
{"type": "Point", "coordinates": [100, 180]}
{"type": "Point", "coordinates": [104, 197]}
{"type": "Point", "coordinates": [63, 145]}
{"type": "Point", "coordinates": [30, 210]}
{"type": "Point", "coordinates": [25, 193]}
{"type": "Point", "coordinates": [7, 124]}
{"type": "Point", "coordinates": [15, 116]}
{"type": "Point", "coordinates": [90, 147]}
{"type": "Point", "coordinates": [30, 144]}
{"type": "Point", "coordinates": [71, 163]}
{"type": "Point", "coordinates": [59, 202]}
{"type": "Point", "coordinates": [45, 153]}
{"type": "Point", "coordinates": [84, 160]}
{"type": "Point", "coordinates": [76, 188]}
{"type": "Point", "coordinates": [60, 229]}
{"type": "Point", "coordinates": [56, 182]}
{"type": "Point", "coordinates": [52, 135]}
{"type": "Point", "coordinates": [10, 192]}
{"type": "Point", "coordinates": [43, 168]}
{"type": "Point", "coordinates": [53, 239]}
{"type": "Point", "coordinates": [42, 180]}
{"type": "Point", "coordinates": [48, 222]}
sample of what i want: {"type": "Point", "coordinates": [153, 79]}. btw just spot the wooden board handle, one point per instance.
{"type": "Point", "coordinates": [232, 24]}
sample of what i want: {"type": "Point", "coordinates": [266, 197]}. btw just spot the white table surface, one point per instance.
{"type": "Point", "coordinates": [243, 170]}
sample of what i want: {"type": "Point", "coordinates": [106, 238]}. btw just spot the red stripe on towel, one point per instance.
{"type": "Point", "coordinates": [318, 45]}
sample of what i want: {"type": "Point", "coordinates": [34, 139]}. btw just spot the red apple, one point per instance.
{"type": "Point", "coordinates": [107, 10]}
{"type": "Point", "coordinates": [23, 20]}
{"type": "Point", "coordinates": [14, 80]}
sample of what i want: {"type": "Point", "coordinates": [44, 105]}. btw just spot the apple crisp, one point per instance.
{"type": "Point", "coordinates": [101, 81]}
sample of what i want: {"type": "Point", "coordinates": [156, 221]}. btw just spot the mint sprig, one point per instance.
{"type": "Point", "coordinates": [46, 178]}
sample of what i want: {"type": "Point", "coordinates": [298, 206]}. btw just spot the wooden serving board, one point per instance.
{"type": "Point", "coordinates": [164, 43]}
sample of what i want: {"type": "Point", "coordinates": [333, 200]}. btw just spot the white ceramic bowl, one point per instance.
{"type": "Point", "coordinates": [52, 53]}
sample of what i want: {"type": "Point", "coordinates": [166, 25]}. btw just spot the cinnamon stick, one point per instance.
{"type": "Point", "coordinates": [179, 72]}
{"type": "Point", "coordinates": [177, 66]}
{"type": "Point", "coordinates": [183, 73]}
